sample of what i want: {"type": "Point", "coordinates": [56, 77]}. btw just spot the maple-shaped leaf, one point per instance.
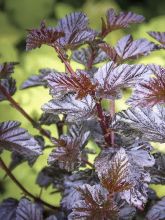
{"type": "Point", "coordinates": [28, 211]}
{"type": "Point", "coordinates": [76, 110]}
{"type": "Point", "coordinates": [79, 83]}
{"type": "Point", "coordinates": [8, 209]}
{"type": "Point", "coordinates": [150, 124]}
{"type": "Point", "coordinates": [37, 80]}
{"type": "Point", "coordinates": [84, 55]}
{"type": "Point", "coordinates": [52, 175]}
{"type": "Point", "coordinates": [127, 48]}
{"type": "Point", "coordinates": [69, 151]}
{"type": "Point", "coordinates": [75, 27]}
{"type": "Point", "coordinates": [159, 36]}
{"type": "Point", "coordinates": [10, 87]}
{"type": "Point", "coordinates": [150, 91]}
{"type": "Point", "coordinates": [43, 35]}
{"type": "Point", "coordinates": [71, 195]}
{"type": "Point", "coordinates": [111, 78]}
{"type": "Point", "coordinates": [6, 69]}
{"type": "Point", "coordinates": [157, 211]}
{"type": "Point", "coordinates": [114, 174]}
{"type": "Point", "coordinates": [158, 170]}
{"type": "Point", "coordinates": [16, 139]}
{"type": "Point", "coordinates": [48, 119]}
{"type": "Point", "coordinates": [116, 21]}
{"type": "Point", "coordinates": [94, 204]}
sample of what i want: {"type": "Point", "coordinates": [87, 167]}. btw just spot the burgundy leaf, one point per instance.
{"type": "Point", "coordinates": [112, 78]}
{"type": "Point", "coordinates": [8, 209]}
{"type": "Point", "coordinates": [79, 83]}
{"type": "Point", "coordinates": [44, 35]}
{"type": "Point", "coordinates": [6, 69]}
{"type": "Point", "coordinates": [10, 86]}
{"type": "Point", "coordinates": [159, 36]}
{"type": "Point", "coordinates": [76, 110]}
{"type": "Point", "coordinates": [126, 48]}
{"type": "Point", "coordinates": [69, 151]}
{"type": "Point", "coordinates": [16, 139]}
{"type": "Point", "coordinates": [75, 27]}
{"type": "Point", "coordinates": [151, 91]}
{"type": "Point", "coordinates": [157, 211]}
{"type": "Point", "coordinates": [117, 21]}
{"type": "Point", "coordinates": [94, 204]}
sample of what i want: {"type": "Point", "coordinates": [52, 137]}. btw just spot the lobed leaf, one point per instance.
{"type": "Point", "coordinates": [79, 83]}
{"type": "Point", "coordinates": [8, 209]}
{"type": "Point", "coordinates": [44, 35]}
{"type": "Point", "coordinates": [37, 80]}
{"type": "Point", "coordinates": [75, 27]}
{"type": "Point", "coordinates": [6, 69]}
{"type": "Point", "coordinates": [111, 78]}
{"type": "Point", "coordinates": [127, 48]}
{"type": "Point", "coordinates": [94, 204]}
{"type": "Point", "coordinates": [76, 110]}
{"type": "Point", "coordinates": [159, 36]}
{"type": "Point", "coordinates": [69, 151]}
{"type": "Point", "coordinates": [28, 211]}
{"type": "Point", "coordinates": [16, 139]}
{"type": "Point", "coordinates": [10, 87]}
{"type": "Point", "coordinates": [151, 91]}
{"type": "Point", "coordinates": [157, 211]}
{"type": "Point", "coordinates": [150, 124]}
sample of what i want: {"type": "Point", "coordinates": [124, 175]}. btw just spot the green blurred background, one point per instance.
{"type": "Point", "coordinates": [18, 15]}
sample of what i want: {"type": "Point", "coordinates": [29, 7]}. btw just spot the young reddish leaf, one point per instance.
{"type": "Point", "coordinates": [150, 124]}
{"type": "Point", "coordinates": [9, 85]}
{"type": "Point", "coordinates": [28, 211]}
{"type": "Point", "coordinates": [151, 91]}
{"type": "Point", "coordinates": [117, 21]}
{"type": "Point", "coordinates": [159, 36]}
{"type": "Point", "coordinates": [16, 139]}
{"type": "Point", "coordinates": [6, 69]}
{"type": "Point", "coordinates": [94, 204]}
{"type": "Point", "coordinates": [37, 80]}
{"type": "Point", "coordinates": [69, 151]}
{"type": "Point", "coordinates": [8, 209]}
{"type": "Point", "coordinates": [111, 78]}
{"type": "Point", "coordinates": [79, 83]}
{"type": "Point", "coordinates": [75, 27]}
{"type": "Point", "coordinates": [44, 35]}
{"type": "Point", "coordinates": [114, 174]}
{"type": "Point", "coordinates": [127, 48]}
{"type": "Point", "coordinates": [76, 110]}
{"type": "Point", "coordinates": [157, 211]}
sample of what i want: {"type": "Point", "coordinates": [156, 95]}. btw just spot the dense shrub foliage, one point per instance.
{"type": "Point", "coordinates": [116, 185]}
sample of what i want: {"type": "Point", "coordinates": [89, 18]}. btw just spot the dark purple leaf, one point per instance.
{"type": "Point", "coordinates": [28, 211]}
{"type": "Point", "coordinates": [9, 85]}
{"type": "Point", "coordinates": [157, 211]}
{"type": "Point", "coordinates": [49, 119]}
{"type": "Point", "coordinates": [150, 91]}
{"type": "Point", "coordinates": [8, 209]}
{"type": "Point", "coordinates": [94, 204]}
{"type": "Point", "coordinates": [159, 36]}
{"type": "Point", "coordinates": [44, 35]}
{"type": "Point", "coordinates": [6, 69]}
{"type": "Point", "coordinates": [37, 80]}
{"type": "Point", "coordinates": [16, 139]}
{"type": "Point", "coordinates": [75, 27]}
{"type": "Point", "coordinates": [76, 110]}
{"type": "Point", "coordinates": [79, 83]}
{"type": "Point", "coordinates": [111, 78]}
{"type": "Point", "coordinates": [69, 151]}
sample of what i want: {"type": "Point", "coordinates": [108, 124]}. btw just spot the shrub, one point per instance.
{"type": "Point", "coordinates": [116, 185]}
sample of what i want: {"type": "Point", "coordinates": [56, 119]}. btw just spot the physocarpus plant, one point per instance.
{"type": "Point", "coordinates": [116, 185]}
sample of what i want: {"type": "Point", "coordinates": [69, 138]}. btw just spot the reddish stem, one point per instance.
{"type": "Point", "coordinates": [112, 113]}
{"type": "Point", "coordinates": [23, 189]}
{"type": "Point", "coordinates": [24, 113]}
